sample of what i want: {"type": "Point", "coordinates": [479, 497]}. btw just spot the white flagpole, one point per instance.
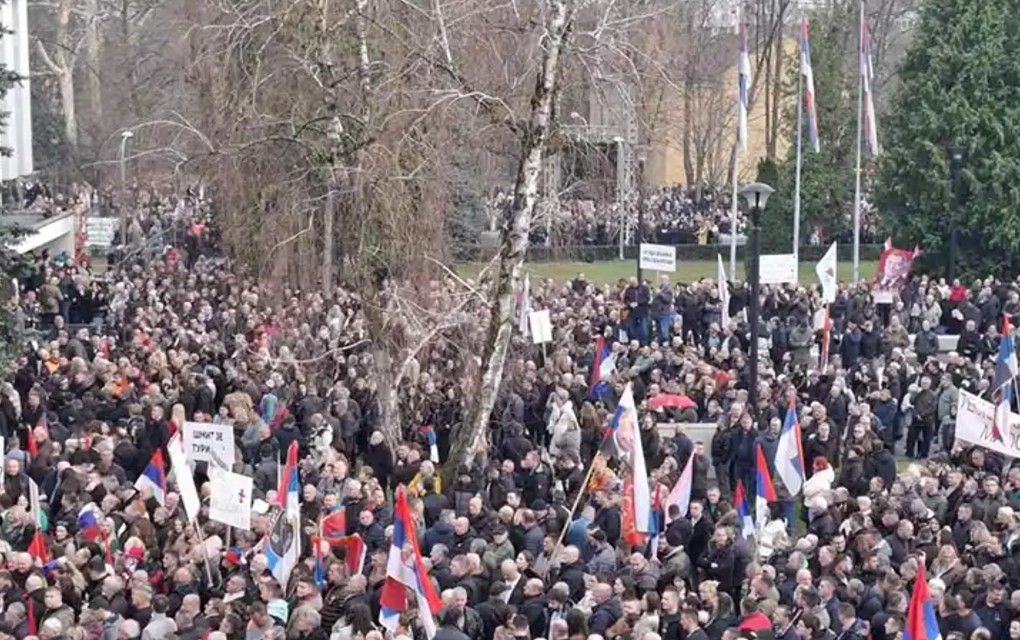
{"type": "Point", "coordinates": [734, 209]}
{"type": "Point", "coordinates": [857, 171]}
{"type": "Point", "coordinates": [800, 147]}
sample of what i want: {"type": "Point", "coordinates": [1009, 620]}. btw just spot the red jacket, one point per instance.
{"type": "Point", "coordinates": [757, 621]}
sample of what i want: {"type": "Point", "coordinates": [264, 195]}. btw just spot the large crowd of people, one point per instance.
{"type": "Point", "coordinates": [119, 361]}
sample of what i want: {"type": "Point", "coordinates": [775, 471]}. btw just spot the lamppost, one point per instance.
{"type": "Point", "coordinates": [621, 196]}
{"type": "Point", "coordinates": [955, 160]}
{"type": "Point", "coordinates": [757, 195]}
{"type": "Point", "coordinates": [124, 137]}
{"type": "Point", "coordinates": [642, 156]}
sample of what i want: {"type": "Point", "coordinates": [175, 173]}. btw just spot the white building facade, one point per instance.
{"type": "Point", "coordinates": [17, 104]}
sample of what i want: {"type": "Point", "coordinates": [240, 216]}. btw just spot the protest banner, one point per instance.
{"type": "Point", "coordinates": [206, 442]}
{"type": "Point", "coordinates": [182, 476]}
{"type": "Point", "coordinates": [975, 424]}
{"type": "Point", "coordinates": [230, 500]}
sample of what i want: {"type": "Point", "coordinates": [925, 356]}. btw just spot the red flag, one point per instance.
{"type": "Point", "coordinates": [33, 627]}
{"type": "Point", "coordinates": [335, 525]}
{"type": "Point", "coordinates": [37, 548]}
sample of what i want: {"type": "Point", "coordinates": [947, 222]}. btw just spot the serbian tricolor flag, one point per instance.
{"type": "Point", "coordinates": [637, 494]}
{"type": "Point", "coordinates": [867, 75]}
{"type": "Point", "coordinates": [743, 88]}
{"type": "Point", "coordinates": [680, 494]}
{"type": "Point", "coordinates": [88, 523]}
{"type": "Point", "coordinates": [1003, 381]}
{"type": "Point", "coordinates": [743, 511]}
{"type": "Point", "coordinates": [809, 87]}
{"type": "Point", "coordinates": [405, 570]}
{"type": "Point", "coordinates": [604, 364]}
{"type": "Point", "coordinates": [154, 478]}
{"type": "Point", "coordinates": [430, 436]}
{"type": "Point", "coordinates": [765, 492]}
{"type": "Point", "coordinates": [921, 621]}
{"type": "Point", "coordinates": [291, 469]}
{"type": "Point", "coordinates": [790, 452]}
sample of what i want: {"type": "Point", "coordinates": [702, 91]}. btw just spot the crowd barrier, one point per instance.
{"type": "Point", "coordinates": [688, 252]}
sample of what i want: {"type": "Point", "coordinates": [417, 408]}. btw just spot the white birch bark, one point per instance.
{"type": "Point", "coordinates": [471, 439]}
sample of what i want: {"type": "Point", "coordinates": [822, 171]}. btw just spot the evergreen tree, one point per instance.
{"type": "Point", "coordinates": [959, 86]}
{"type": "Point", "coordinates": [10, 261]}
{"type": "Point", "coordinates": [827, 177]}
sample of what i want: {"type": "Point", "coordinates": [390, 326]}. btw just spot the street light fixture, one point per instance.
{"type": "Point", "coordinates": [641, 154]}
{"type": "Point", "coordinates": [757, 196]}
{"type": "Point", "coordinates": [124, 137]}
{"type": "Point", "coordinates": [620, 188]}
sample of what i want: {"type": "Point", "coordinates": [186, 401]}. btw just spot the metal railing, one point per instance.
{"type": "Point", "coordinates": [689, 252]}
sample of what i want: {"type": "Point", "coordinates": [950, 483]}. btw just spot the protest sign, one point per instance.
{"type": "Point", "coordinates": [541, 326]}
{"type": "Point", "coordinates": [208, 442]}
{"type": "Point", "coordinates": [975, 424]}
{"type": "Point", "coordinates": [230, 500]}
{"type": "Point", "coordinates": [182, 476]}
{"type": "Point", "coordinates": [657, 257]}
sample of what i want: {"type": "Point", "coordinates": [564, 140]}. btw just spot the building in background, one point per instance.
{"type": "Point", "coordinates": [17, 104]}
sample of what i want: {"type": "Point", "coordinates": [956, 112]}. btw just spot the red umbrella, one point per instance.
{"type": "Point", "coordinates": [669, 400]}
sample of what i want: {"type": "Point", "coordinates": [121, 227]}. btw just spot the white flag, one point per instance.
{"type": "Point", "coordinates": [182, 475]}
{"type": "Point", "coordinates": [826, 271]}
{"type": "Point", "coordinates": [724, 291]}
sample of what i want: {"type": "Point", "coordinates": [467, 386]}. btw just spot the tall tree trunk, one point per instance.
{"type": "Point", "coordinates": [93, 46]}
{"type": "Point", "coordinates": [66, 84]}
{"type": "Point", "coordinates": [470, 439]}
{"type": "Point", "coordinates": [327, 237]}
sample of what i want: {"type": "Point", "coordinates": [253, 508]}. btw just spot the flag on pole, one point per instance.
{"type": "Point", "coordinates": [809, 87]}
{"type": "Point", "coordinates": [867, 75]}
{"type": "Point", "coordinates": [154, 478]}
{"type": "Point", "coordinates": [743, 89]}
{"type": "Point", "coordinates": [604, 364]}
{"type": "Point", "coordinates": [405, 569]}
{"type": "Point", "coordinates": [334, 525]}
{"type": "Point", "coordinates": [826, 272]}
{"type": "Point", "coordinates": [37, 548]}
{"type": "Point", "coordinates": [921, 621]}
{"type": "Point", "coordinates": [284, 540]}
{"type": "Point", "coordinates": [743, 511]}
{"type": "Point", "coordinates": [637, 498]}
{"type": "Point", "coordinates": [823, 353]}
{"type": "Point", "coordinates": [790, 453]}
{"type": "Point", "coordinates": [722, 287]}
{"type": "Point", "coordinates": [680, 494]}
{"type": "Point", "coordinates": [766, 493]}
{"type": "Point", "coordinates": [1002, 385]}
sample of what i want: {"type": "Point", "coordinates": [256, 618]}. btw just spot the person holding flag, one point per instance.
{"type": "Point", "coordinates": [764, 491]}
{"type": "Point", "coordinates": [921, 621]}
{"type": "Point", "coordinates": [405, 570]}
{"type": "Point", "coordinates": [1004, 381]}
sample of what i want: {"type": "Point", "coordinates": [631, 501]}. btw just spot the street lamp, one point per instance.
{"type": "Point", "coordinates": [757, 195]}
{"type": "Point", "coordinates": [642, 156]}
{"type": "Point", "coordinates": [955, 160]}
{"type": "Point", "coordinates": [620, 188]}
{"type": "Point", "coordinates": [124, 137]}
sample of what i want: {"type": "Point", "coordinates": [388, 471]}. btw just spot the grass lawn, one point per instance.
{"type": "Point", "coordinates": [686, 271]}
